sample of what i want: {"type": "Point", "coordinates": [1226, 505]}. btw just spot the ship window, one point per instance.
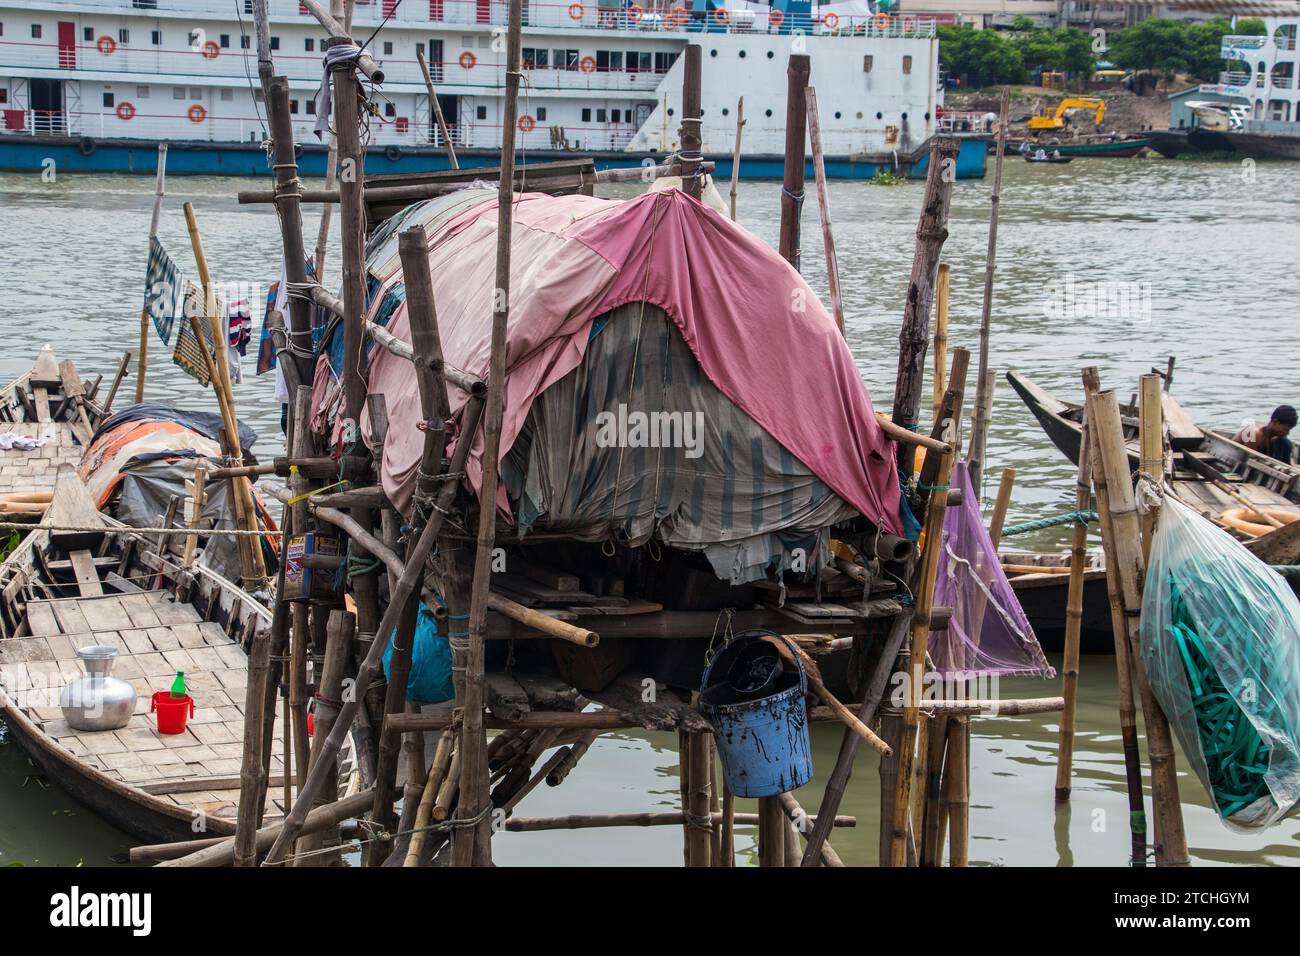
{"type": "Point", "coordinates": [837, 114]}
{"type": "Point", "coordinates": [388, 48]}
{"type": "Point", "coordinates": [726, 112]}
{"type": "Point", "coordinates": [124, 36]}
{"type": "Point", "coordinates": [480, 112]}
{"type": "Point", "coordinates": [614, 116]}
{"type": "Point", "coordinates": [742, 54]}
{"type": "Point", "coordinates": [196, 92]}
{"type": "Point", "coordinates": [36, 31]}
{"type": "Point", "coordinates": [904, 116]}
{"type": "Point", "coordinates": [664, 62]}
{"type": "Point", "coordinates": [309, 105]}
{"type": "Point", "coordinates": [769, 112]}
{"type": "Point", "coordinates": [248, 6]}
{"type": "Point", "coordinates": [243, 42]}
{"type": "Point", "coordinates": [880, 116]}
{"type": "Point", "coordinates": [142, 92]}
{"type": "Point", "coordinates": [541, 113]}
{"type": "Point", "coordinates": [390, 110]}
{"type": "Point", "coordinates": [467, 42]}
{"type": "Point", "coordinates": [867, 62]}
{"type": "Point", "coordinates": [600, 116]}
{"type": "Point", "coordinates": [195, 39]}
{"type": "Point", "coordinates": [907, 63]}
{"type": "Point", "coordinates": [293, 106]}
{"type": "Point", "coordinates": [108, 100]}
{"type": "Point", "coordinates": [228, 95]}
{"type": "Point", "coordinates": [586, 116]}
{"type": "Point", "coordinates": [616, 59]}
{"type": "Point", "coordinates": [275, 43]}
{"type": "Point", "coordinates": [88, 34]}
{"type": "Point", "coordinates": [713, 53]}
{"type": "Point", "coordinates": [602, 61]}
{"type": "Point", "coordinates": [770, 54]}
{"type": "Point", "coordinates": [309, 44]}
{"type": "Point", "coordinates": [225, 41]}
{"type": "Point", "coordinates": [178, 92]}
{"type": "Point", "coordinates": [156, 37]}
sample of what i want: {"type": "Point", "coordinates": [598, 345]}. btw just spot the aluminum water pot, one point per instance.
{"type": "Point", "coordinates": [98, 701]}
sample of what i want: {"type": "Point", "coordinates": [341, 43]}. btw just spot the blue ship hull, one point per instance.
{"type": "Point", "coordinates": [201, 158]}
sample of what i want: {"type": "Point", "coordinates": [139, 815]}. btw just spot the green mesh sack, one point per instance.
{"type": "Point", "coordinates": [1221, 645]}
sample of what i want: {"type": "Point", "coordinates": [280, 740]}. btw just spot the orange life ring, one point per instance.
{"type": "Point", "coordinates": [1251, 522]}
{"type": "Point", "coordinates": [575, 11]}
{"type": "Point", "coordinates": [125, 110]}
{"type": "Point", "coordinates": [106, 45]}
{"type": "Point", "coordinates": [882, 22]}
{"type": "Point", "coordinates": [676, 17]}
{"type": "Point", "coordinates": [526, 124]}
{"type": "Point", "coordinates": [776, 18]}
{"type": "Point", "coordinates": [634, 13]}
{"type": "Point", "coordinates": [587, 64]}
{"type": "Point", "coordinates": [832, 21]}
{"type": "Point", "coordinates": [468, 60]}
{"type": "Point", "coordinates": [197, 113]}
{"type": "Point", "coordinates": [721, 16]}
{"type": "Point", "coordinates": [210, 50]}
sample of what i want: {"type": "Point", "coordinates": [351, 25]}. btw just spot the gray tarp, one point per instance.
{"type": "Point", "coordinates": [591, 462]}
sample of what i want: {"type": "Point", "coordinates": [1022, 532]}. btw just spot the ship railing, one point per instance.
{"type": "Point", "coordinates": [1284, 43]}
{"type": "Point", "coordinates": [107, 124]}
{"type": "Point", "coordinates": [172, 69]}
{"type": "Point", "coordinates": [1283, 82]}
{"type": "Point", "coordinates": [964, 121]}
{"type": "Point", "coordinates": [666, 16]}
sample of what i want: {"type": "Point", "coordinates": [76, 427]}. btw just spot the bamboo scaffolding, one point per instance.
{"type": "Point", "coordinates": [472, 845]}
{"type": "Point", "coordinates": [735, 154]}
{"type": "Point", "coordinates": [142, 362]}
{"type": "Point", "coordinates": [584, 821]}
{"type": "Point", "coordinates": [1123, 667]}
{"type": "Point", "coordinates": [824, 208]}
{"type": "Point", "coordinates": [1120, 521]}
{"type": "Point", "coordinates": [1074, 618]}
{"type": "Point", "coordinates": [926, 576]}
{"type": "Point", "coordinates": [942, 281]}
{"type": "Point", "coordinates": [435, 109]}
{"type": "Point", "coordinates": [983, 385]}
{"type": "Point", "coordinates": [914, 336]}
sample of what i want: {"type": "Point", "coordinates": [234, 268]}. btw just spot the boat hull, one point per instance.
{"type": "Point", "coordinates": [201, 158]}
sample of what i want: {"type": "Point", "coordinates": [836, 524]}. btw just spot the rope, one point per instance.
{"type": "Point", "coordinates": [1069, 517]}
{"type": "Point", "coordinates": [233, 532]}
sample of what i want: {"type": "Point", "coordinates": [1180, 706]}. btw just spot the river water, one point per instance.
{"type": "Point", "coordinates": [1193, 259]}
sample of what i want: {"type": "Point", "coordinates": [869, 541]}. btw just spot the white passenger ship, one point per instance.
{"type": "Point", "coordinates": [96, 84]}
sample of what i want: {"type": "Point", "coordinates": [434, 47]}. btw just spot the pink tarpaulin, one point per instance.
{"type": "Point", "coordinates": [755, 327]}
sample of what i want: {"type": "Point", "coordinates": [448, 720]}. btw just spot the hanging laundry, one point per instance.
{"type": "Point", "coordinates": [162, 289]}
{"type": "Point", "coordinates": [187, 355]}
{"type": "Point", "coordinates": [237, 319]}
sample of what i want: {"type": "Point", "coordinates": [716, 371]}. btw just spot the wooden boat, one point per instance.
{"type": "Point", "coordinates": [1207, 470]}
{"type": "Point", "coordinates": [65, 590]}
{"type": "Point", "coordinates": [1042, 595]}
{"type": "Point", "coordinates": [1049, 158]}
{"type": "Point", "coordinates": [114, 586]}
{"type": "Point", "coordinates": [1104, 147]}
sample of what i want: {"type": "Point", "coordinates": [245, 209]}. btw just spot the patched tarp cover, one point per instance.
{"type": "Point", "coordinates": [755, 330]}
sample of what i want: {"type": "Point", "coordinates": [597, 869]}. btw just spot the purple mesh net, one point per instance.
{"type": "Point", "coordinates": [989, 634]}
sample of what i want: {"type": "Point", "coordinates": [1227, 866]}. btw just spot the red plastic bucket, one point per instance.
{"type": "Point", "coordinates": [172, 711]}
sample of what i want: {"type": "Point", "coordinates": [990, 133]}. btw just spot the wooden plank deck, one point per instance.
{"type": "Point", "coordinates": [35, 470]}
{"type": "Point", "coordinates": [155, 637]}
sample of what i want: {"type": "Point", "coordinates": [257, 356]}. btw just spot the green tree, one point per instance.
{"type": "Point", "coordinates": [1067, 50]}
{"type": "Point", "coordinates": [1154, 44]}
{"type": "Point", "coordinates": [979, 57]}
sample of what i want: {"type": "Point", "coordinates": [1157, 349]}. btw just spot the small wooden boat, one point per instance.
{"type": "Point", "coordinates": [1208, 470]}
{"type": "Point", "coordinates": [1047, 158]}
{"type": "Point", "coordinates": [60, 591]}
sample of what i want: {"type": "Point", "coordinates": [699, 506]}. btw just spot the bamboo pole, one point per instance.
{"type": "Point", "coordinates": [472, 846]}
{"type": "Point", "coordinates": [728, 828]}
{"type": "Point", "coordinates": [252, 568]}
{"type": "Point", "coordinates": [1074, 618]}
{"type": "Point", "coordinates": [1123, 667]}
{"type": "Point", "coordinates": [927, 575]}
{"type": "Point", "coordinates": [914, 335]}
{"type": "Point", "coordinates": [159, 189]}
{"type": "Point", "coordinates": [735, 154]}
{"type": "Point", "coordinates": [435, 109]}
{"type": "Point", "coordinates": [771, 832]}
{"type": "Point", "coordinates": [689, 140]}
{"type": "Point", "coordinates": [983, 387]}
{"type": "Point", "coordinates": [998, 517]}
{"type": "Point", "coordinates": [340, 631]}
{"type": "Point", "coordinates": [931, 824]}
{"type": "Point", "coordinates": [433, 782]}
{"type": "Point", "coordinates": [956, 796]}
{"type": "Point", "coordinates": [796, 125]}
{"type": "Point", "coordinates": [1121, 522]}
{"type": "Point", "coordinates": [942, 281]}
{"type": "Point", "coordinates": [1151, 442]}
{"type": "Point", "coordinates": [295, 726]}
{"type": "Point", "coordinates": [196, 515]}
{"type": "Point", "coordinates": [340, 10]}
{"type": "Point", "coordinates": [799, 822]}
{"type": "Point", "coordinates": [824, 208]}
{"type": "Point", "coordinates": [589, 821]}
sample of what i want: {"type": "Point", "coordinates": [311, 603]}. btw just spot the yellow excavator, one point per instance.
{"type": "Point", "coordinates": [1057, 120]}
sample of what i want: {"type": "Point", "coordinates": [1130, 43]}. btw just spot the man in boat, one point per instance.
{"type": "Point", "coordinates": [1271, 438]}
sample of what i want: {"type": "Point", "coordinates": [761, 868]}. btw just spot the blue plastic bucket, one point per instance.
{"type": "Point", "coordinates": [763, 743]}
